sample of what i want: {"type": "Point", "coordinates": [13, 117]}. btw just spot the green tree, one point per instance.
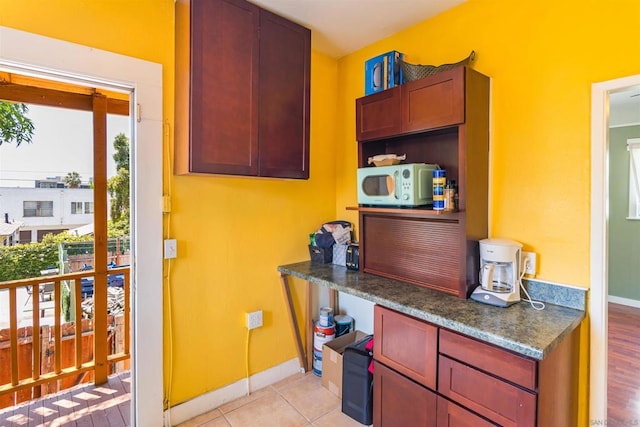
{"type": "Point", "coordinates": [14, 124]}
{"type": "Point", "coordinates": [118, 187]}
{"type": "Point", "coordinates": [72, 180]}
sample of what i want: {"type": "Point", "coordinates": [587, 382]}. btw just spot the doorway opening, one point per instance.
{"type": "Point", "coordinates": [54, 190]}
{"type": "Point", "coordinates": [35, 55]}
{"type": "Point", "coordinates": [598, 309]}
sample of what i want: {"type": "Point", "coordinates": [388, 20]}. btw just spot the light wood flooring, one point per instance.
{"type": "Point", "coordinates": [104, 405]}
{"type": "Point", "coordinates": [623, 381]}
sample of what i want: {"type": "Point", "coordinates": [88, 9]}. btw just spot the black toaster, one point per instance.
{"type": "Point", "coordinates": [353, 256]}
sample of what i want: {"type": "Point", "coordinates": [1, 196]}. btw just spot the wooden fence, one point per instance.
{"type": "Point", "coordinates": [116, 340]}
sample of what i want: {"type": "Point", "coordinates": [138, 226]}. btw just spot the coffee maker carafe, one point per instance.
{"type": "Point", "coordinates": [499, 272]}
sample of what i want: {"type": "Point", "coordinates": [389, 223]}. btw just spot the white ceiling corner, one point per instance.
{"type": "Point", "coordinates": [340, 27]}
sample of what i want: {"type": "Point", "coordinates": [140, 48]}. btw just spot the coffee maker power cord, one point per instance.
{"type": "Point", "coordinates": [537, 305]}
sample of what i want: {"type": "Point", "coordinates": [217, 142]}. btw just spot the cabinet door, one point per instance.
{"type": "Point", "coordinates": [421, 251]}
{"type": "Point", "coordinates": [407, 345]}
{"type": "Point", "coordinates": [379, 115]}
{"type": "Point", "coordinates": [491, 397]}
{"type": "Point", "coordinates": [285, 50]}
{"type": "Point", "coordinates": [398, 401]}
{"type": "Point", "coordinates": [452, 415]}
{"type": "Point", "coordinates": [433, 102]}
{"type": "Point", "coordinates": [224, 85]}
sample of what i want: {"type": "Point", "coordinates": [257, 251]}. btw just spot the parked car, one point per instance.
{"type": "Point", "coordinates": [115, 280]}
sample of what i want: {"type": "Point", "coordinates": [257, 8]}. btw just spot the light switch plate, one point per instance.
{"type": "Point", "coordinates": [170, 249]}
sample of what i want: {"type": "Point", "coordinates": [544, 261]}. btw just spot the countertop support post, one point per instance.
{"type": "Point", "coordinates": [293, 321]}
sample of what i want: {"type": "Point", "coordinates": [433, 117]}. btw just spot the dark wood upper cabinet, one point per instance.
{"type": "Point", "coordinates": [433, 102]}
{"type": "Point", "coordinates": [379, 115]}
{"type": "Point", "coordinates": [284, 97]}
{"type": "Point", "coordinates": [420, 112]}
{"type": "Point", "coordinates": [242, 91]}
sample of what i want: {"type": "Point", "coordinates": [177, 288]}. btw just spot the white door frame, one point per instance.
{"type": "Point", "coordinates": [35, 55]}
{"type": "Point", "coordinates": [599, 234]}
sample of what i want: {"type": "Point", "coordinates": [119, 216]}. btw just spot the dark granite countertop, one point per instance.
{"type": "Point", "coordinates": [519, 327]}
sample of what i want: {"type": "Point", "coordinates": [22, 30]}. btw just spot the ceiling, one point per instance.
{"type": "Point", "coordinates": [340, 27]}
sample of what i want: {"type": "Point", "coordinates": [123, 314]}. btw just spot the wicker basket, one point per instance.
{"type": "Point", "coordinates": [413, 72]}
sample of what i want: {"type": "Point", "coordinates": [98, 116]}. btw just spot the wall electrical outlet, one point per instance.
{"type": "Point", "coordinates": [529, 263]}
{"type": "Point", "coordinates": [254, 319]}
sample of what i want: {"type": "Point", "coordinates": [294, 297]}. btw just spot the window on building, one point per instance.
{"type": "Point", "coordinates": [76, 208]}
{"type": "Point", "coordinates": [37, 208]}
{"type": "Point", "coordinates": [88, 207]}
{"type": "Point", "coordinates": [633, 146]}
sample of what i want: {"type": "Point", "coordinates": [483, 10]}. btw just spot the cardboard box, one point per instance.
{"type": "Point", "coordinates": [332, 360]}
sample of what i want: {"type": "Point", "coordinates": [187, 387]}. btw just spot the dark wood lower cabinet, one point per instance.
{"type": "Point", "coordinates": [478, 384]}
{"type": "Point", "coordinates": [406, 346]}
{"type": "Point", "coordinates": [490, 396]}
{"type": "Point", "coordinates": [452, 415]}
{"type": "Point", "coordinates": [398, 401]}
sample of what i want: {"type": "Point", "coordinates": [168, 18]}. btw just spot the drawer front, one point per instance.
{"type": "Point", "coordinates": [407, 345]}
{"type": "Point", "coordinates": [452, 415]}
{"type": "Point", "coordinates": [499, 401]}
{"type": "Point", "coordinates": [398, 401]}
{"type": "Point", "coordinates": [490, 359]}
{"type": "Point", "coordinates": [415, 250]}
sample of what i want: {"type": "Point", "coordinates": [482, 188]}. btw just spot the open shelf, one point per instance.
{"type": "Point", "coordinates": [426, 211]}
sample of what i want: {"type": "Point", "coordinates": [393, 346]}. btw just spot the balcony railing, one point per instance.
{"type": "Point", "coordinates": [45, 293]}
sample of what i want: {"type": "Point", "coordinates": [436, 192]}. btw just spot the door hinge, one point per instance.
{"type": "Point", "coordinates": [138, 113]}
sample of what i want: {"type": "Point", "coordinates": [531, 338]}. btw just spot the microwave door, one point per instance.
{"type": "Point", "coordinates": [397, 182]}
{"type": "Point", "coordinates": [379, 188]}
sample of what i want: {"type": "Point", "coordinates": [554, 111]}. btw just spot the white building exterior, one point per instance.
{"type": "Point", "coordinates": [10, 233]}
{"type": "Point", "coordinates": [46, 210]}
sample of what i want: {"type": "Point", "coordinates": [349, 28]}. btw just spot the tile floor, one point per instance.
{"type": "Point", "coordinates": [299, 400]}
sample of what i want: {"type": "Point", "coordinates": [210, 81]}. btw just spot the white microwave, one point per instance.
{"type": "Point", "coordinates": [398, 185]}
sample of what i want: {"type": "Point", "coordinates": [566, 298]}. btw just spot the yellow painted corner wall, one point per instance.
{"type": "Point", "coordinates": [542, 57]}
{"type": "Point", "coordinates": [232, 233]}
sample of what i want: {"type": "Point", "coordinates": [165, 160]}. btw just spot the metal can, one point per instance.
{"type": "Point", "coordinates": [326, 316]}
{"type": "Point", "coordinates": [439, 181]}
{"type": "Point", "coordinates": [449, 197]}
{"type": "Point", "coordinates": [344, 324]}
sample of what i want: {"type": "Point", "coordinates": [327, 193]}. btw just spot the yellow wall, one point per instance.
{"type": "Point", "coordinates": [542, 57]}
{"type": "Point", "coordinates": [232, 232]}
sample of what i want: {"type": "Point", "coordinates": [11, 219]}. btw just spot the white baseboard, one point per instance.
{"type": "Point", "coordinates": [211, 400]}
{"type": "Point", "coordinates": [624, 301]}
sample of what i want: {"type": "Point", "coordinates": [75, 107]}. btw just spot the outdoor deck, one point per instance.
{"type": "Point", "coordinates": [107, 404]}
